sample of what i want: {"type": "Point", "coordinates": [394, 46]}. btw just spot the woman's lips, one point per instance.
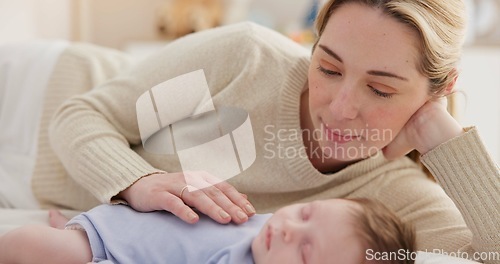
{"type": "Point", "coordinates": [335, 136]}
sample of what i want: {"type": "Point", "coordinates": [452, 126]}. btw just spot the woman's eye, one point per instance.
{"type": "Point", "coordinates": [379, 93]}
{"type": "Point", "coordinates": [328, 72]}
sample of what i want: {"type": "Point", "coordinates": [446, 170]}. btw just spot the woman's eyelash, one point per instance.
{"type": "Point", "coordinates": [334, 73]}
{"type": "Point", "coordinates": [328, 72]}
{"type": "Point", "coordinates": [379, 93]}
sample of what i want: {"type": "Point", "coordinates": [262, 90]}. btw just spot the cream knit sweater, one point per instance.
{"type": "Point", "coordinates": [96, 149]}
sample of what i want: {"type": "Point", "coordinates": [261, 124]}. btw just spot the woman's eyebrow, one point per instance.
{"type": "Point", "coordinates": [331, 53]}
{"type": "Point", "coordinates": [387, 74]}
{"type": "Point", "coordinates": [373, 72]}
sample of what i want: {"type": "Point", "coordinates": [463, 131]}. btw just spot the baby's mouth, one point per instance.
{"type": "Point", "coordinates": [268, 237]}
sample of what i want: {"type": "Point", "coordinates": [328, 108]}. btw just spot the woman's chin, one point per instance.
{"type": "Point", "coordinates": [350, 151]}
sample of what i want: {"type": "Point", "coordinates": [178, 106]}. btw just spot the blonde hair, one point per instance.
{"type": "Point", "coordinates": [439, 24]}
{"type": "Point", "coordinates": [383, 232]}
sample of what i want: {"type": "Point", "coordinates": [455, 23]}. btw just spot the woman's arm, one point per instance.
{"type": "Point", "coordinates": [470, 177]}
{"type": "Point", "coordinates": [464, 169]}
{"type": "Point", "coordinates": [97, 138]}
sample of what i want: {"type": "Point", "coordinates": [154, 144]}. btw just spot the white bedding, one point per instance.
{"type": "Point", "coordinates": [24, 72]}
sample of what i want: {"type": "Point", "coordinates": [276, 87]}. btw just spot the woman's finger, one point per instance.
{"type": "Point", "coordinates": [176, 206]}
{"type": "Point", "coordinates": [222, 197]}
{"type": "Point", "coordinates": [222, 193]}
{"type": "Point", "coordinates": [234, 195]}
{"type": "Point", "coordinates": [236, 198]}
{"type": "Point", "coordinates": [398, 147]}
{"type": "Point", "coordinates": [208, 205]}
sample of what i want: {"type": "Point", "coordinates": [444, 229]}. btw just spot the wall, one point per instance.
{"type": "Point", "coordinates": [113, 23]}
{"type": "Point", "coordinates": [22, 20]}
{"type": "Point", "coordinates": [118, 23]}
{"type": "Point", "coordinates": [282, 15]}
{"type": "Point", "coordinates": [479, 81]}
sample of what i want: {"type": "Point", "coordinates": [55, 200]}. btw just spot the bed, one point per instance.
{"type": "Point", "coordinates": [24, 73]}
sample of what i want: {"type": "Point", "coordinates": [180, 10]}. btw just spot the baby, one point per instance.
{"type": "Point", "coordinates": [325, 231]}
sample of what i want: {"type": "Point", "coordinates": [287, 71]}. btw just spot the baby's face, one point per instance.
{"type": "Point", "coordinates": [316, 232]}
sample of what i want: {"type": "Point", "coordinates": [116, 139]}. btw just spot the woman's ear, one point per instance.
{"type": "Point", "coordinates": [451, 86]}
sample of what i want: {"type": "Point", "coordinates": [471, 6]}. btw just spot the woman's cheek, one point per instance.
{"type": "Point", "coordinates": [386, 124]}
{"type": "Point", "coordinates": [321, 95]}
{"type": "Point", "coordinates": [318, 97]}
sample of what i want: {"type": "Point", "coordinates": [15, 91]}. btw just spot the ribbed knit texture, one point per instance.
{"type": "Point", "coordinates": [472, 179]}
{"type": "Point", "coordinates": [78, 70]}
{"type": "Point", "coordinates": [96, 137]}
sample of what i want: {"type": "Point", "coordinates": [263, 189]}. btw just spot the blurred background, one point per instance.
{"type": "Point", "coordinates": [139, 27]}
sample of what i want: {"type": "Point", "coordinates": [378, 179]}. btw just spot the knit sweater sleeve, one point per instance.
{"type": "Point", "coordinates": [470, 177]}
{"type": "Point", "coordinates": [95, 134]}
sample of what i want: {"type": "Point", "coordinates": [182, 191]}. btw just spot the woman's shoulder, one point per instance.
{"type": "Point", "coordinates": [245, 30]}
{"type": "Point", "coordinates": [270, 37]}
{"type": "Point", "coordinates": [247, 35]}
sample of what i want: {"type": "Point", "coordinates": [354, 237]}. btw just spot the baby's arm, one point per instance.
{"type": "Point", "coordinates": [36, 244]}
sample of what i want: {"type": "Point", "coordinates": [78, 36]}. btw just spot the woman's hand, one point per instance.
{"type": "Point", "coordinates": [206, 193]}
{"type": "Point", "coordinates": [429, 127]}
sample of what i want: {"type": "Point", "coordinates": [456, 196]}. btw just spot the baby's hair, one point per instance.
{"type": "Point", "coordinates": [383, 232]}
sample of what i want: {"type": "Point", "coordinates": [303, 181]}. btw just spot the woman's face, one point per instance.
{"type": "Point", "coordinates": [364, 84]}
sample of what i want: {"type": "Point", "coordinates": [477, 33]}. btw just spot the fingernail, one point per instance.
{"type": "Point", "coordinates": [242, 215]}
{"type": "Point", "coordinates": [250, 209]}
{"type": "Point", "coordinates": [223, 214]}
{"type": "Point", "coordinates": [192, 216]}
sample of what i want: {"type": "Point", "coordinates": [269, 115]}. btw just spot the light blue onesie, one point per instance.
{"type": "Point", "coordinates": [119, 234]}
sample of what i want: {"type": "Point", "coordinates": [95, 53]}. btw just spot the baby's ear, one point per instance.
{"type": "Point", "coordinates": [451, 86]}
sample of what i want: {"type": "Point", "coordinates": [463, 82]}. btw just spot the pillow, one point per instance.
{"type": "Point", "coordinates": [434, 258]}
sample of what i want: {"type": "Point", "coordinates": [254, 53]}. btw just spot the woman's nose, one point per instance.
{"type": "Point", "coordinates": [345, 103]}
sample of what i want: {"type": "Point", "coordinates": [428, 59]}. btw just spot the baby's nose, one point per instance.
{"type": "Point", "coordinates": [292, 231]}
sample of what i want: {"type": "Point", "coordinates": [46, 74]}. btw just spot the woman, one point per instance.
{"type": "Point", "coordinates": [320, 123]}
